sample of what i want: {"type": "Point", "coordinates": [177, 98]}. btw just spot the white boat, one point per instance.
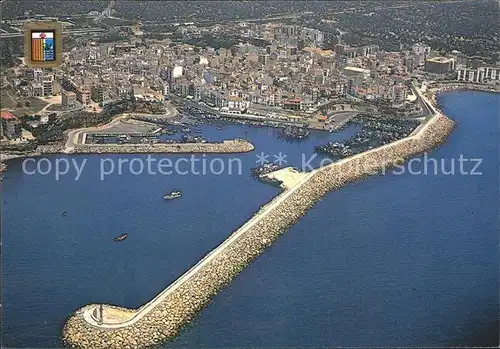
{"type": "Point", "coordinates": [174, 194]}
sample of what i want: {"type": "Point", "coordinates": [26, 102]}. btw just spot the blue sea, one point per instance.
{"type": "Point", "coordinates": [401, 259]}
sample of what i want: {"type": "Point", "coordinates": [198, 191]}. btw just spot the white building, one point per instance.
{"type": "Point", "coordinates": [480, 75]}
{"type": "Point", "coordinates": [38, 75]}
{"type": "Point", "coordinates": [360, 73]}
{"type": "Point", "coordinates": [420, 53]}
{"type": "Point", "coordinates": [356, 77]}
{"type": "Point", "coordinates": [177, 72]}
{"type": "Point", "coordinates": [421, 49]}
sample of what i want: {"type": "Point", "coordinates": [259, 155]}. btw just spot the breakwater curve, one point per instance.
{"type": "Point", "coordinates": [107, 326]}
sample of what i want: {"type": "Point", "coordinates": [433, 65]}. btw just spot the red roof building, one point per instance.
{"type": "Point", "coordinates": [7, 115]}
{"type": "Point", "coordinates": [10, 125]}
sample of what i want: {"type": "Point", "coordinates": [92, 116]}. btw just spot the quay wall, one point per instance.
{"type": "Point", "coordinates": [173, 310]}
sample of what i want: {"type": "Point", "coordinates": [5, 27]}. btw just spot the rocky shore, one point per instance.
{"type": "Point", "coordinates": [177, 308]}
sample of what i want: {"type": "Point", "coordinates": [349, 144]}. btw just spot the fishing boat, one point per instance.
{"type": "Point", "coordinates": [120, 237]}
{"type": "Point", "coordinates": [174, 194]}
{"type": "Point", "coordinates": [264, 169]}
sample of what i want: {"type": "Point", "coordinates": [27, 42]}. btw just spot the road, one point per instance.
{"type": "Point", "coordinates": [74, 32]}
{"type": "Point", "coordinates": [426, 104]}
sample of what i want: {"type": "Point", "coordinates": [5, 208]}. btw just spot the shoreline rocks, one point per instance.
{"type": "Point", "coordinates": [179, 307]}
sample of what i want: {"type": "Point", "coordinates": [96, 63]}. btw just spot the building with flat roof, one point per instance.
{"type": "Point", "coordinates": [357, 72]}
{"type": "Point", "coordinates": [399, 93]}
{"type": "Point", "coordinates": [439, 65]}
{"type": "Point", "coordinates": [83, 95]}
{"type": "Point", "coordinates": [480, 75]}
{"type": "Point", "coordinates": [68, 99]}
{"type": "Point", "coordinates": [292, 104]}
{"type": "Point", "coordinates": [97, 93]}
{"type": "Point", "coordinates": [355, 78]}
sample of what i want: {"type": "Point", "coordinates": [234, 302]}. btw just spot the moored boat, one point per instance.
{"type": "Point", "coordinates": [264, 169]}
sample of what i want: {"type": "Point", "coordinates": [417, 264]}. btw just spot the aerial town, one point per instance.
{"type": "Point", "coordinates": [131, 261]}
{"type": "Point", "coordinates": [275, 72]}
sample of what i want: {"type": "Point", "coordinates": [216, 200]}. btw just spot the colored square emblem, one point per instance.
{"type": "Point", "coordinates": [42, 44]}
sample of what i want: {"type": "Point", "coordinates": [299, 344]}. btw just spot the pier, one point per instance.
{"type": "Point", "coordinates": [224, 147]}
{"type": "Point", "coordinates": [106, 326]}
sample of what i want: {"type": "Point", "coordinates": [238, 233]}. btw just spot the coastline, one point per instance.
{"type": "Point", "coordinates": [435, 89]}
{"type": "Point", "coordinates": [164, 316]}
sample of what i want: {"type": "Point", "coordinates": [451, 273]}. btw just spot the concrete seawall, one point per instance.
{"type": "Point", "coordinates": [165, 316]}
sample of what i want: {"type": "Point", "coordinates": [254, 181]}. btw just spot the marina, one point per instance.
{"type": "Point", "coordinates": [292, 132]}
{"type": "Point", "coordinates": [330, 244]}
{"type": "Point", "coordinates": [375, 131]}
{"type": "Point", "coordinates": [174, 307]}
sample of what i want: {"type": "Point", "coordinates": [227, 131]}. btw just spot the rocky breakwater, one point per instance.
{"type": "Point", "coordinates": [227, 146]}
{"type": "Point", "coordinates": [168, 313]}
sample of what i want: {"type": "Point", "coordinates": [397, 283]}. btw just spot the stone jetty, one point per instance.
{"type": "Point", "coordinates": [224, 147]}
{"type": "Point", "coordinates": [165, 316]}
